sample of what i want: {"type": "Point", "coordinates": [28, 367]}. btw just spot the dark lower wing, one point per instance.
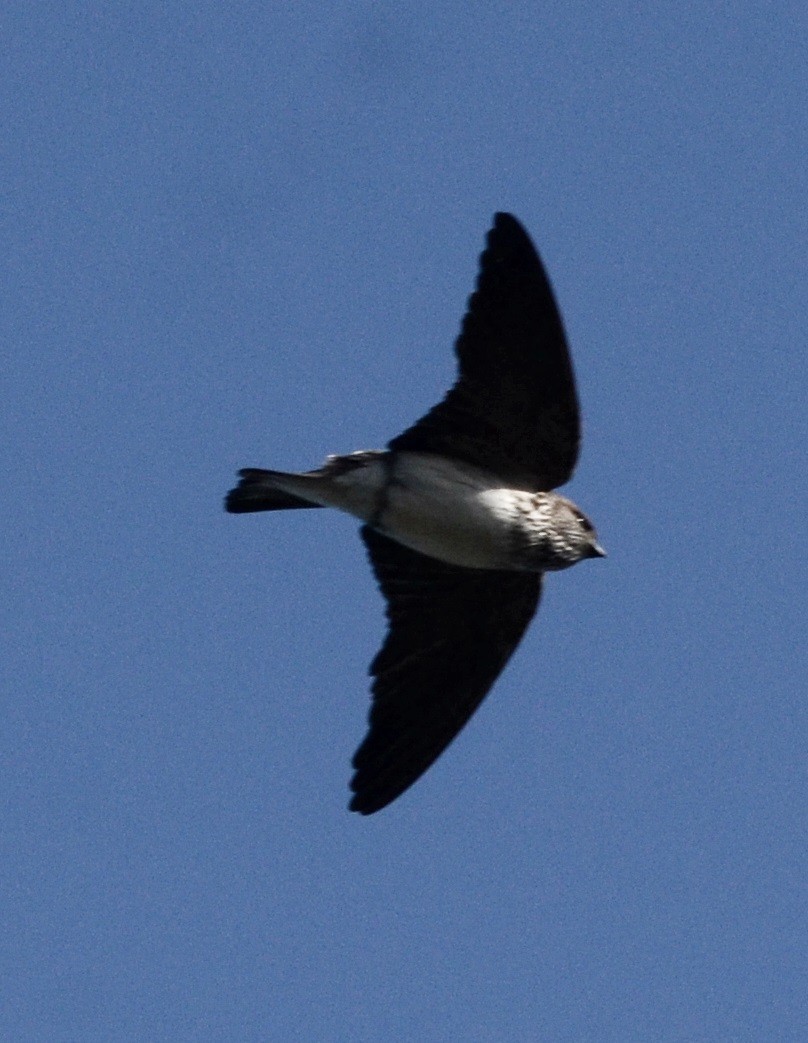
{"type": "Point", "coordinates": [513, 408]}
{"type": "Point", "coordinates": [451, 632]}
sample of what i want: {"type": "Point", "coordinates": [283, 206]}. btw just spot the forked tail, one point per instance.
{"type": "Point", "coordinates": [256, 492]}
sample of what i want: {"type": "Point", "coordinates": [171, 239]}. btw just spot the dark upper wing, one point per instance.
{"type": "Point", "coordinates": [513, 408]}
{"type": "Point", "coordinates": [451, 631]}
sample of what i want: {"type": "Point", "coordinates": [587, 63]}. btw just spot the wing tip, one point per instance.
{"type": "Point", "coordinates": [367, 800]}
{"type": "Point", "coordinates": [504, 219]}
{"type": "Point", "coordinates": [508, 232]}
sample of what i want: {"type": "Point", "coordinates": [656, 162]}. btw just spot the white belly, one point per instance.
{"type": "Point", "coordinates": [449, 510]}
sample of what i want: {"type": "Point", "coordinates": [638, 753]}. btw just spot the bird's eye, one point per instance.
{"type": "Point", "coordinates": [586, 524]}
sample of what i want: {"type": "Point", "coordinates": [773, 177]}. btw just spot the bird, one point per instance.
{"type": "Point", "coordinates": [459, 517]}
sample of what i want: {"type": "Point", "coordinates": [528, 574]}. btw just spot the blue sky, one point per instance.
{"type": "Point", "coordinates": [244, 235]}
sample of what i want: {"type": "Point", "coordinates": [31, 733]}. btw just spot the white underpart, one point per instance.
{"type": "Point", "coordinates": [452, 511]}
{"type": "Point", "coordinates": [447, 509]}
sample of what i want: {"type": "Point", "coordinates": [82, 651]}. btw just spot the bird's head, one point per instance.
{"type": "Point", "coordinates": [563, 535]}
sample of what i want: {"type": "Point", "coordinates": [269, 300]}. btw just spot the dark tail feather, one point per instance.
{"type": "Point", "coordinates": [255, 493]}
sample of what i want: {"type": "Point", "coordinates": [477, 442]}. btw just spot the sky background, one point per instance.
{"type": "Point", "coordinates": [244, 235]}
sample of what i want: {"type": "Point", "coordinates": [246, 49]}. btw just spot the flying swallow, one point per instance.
{"type": "Point", "coordinates": [459, 518]}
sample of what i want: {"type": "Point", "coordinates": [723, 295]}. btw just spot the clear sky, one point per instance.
{"type": "Point", "coordinates": [244, 234]}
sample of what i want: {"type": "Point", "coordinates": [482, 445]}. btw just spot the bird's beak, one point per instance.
{"type": "Point", "coordinates": [596, 551]}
